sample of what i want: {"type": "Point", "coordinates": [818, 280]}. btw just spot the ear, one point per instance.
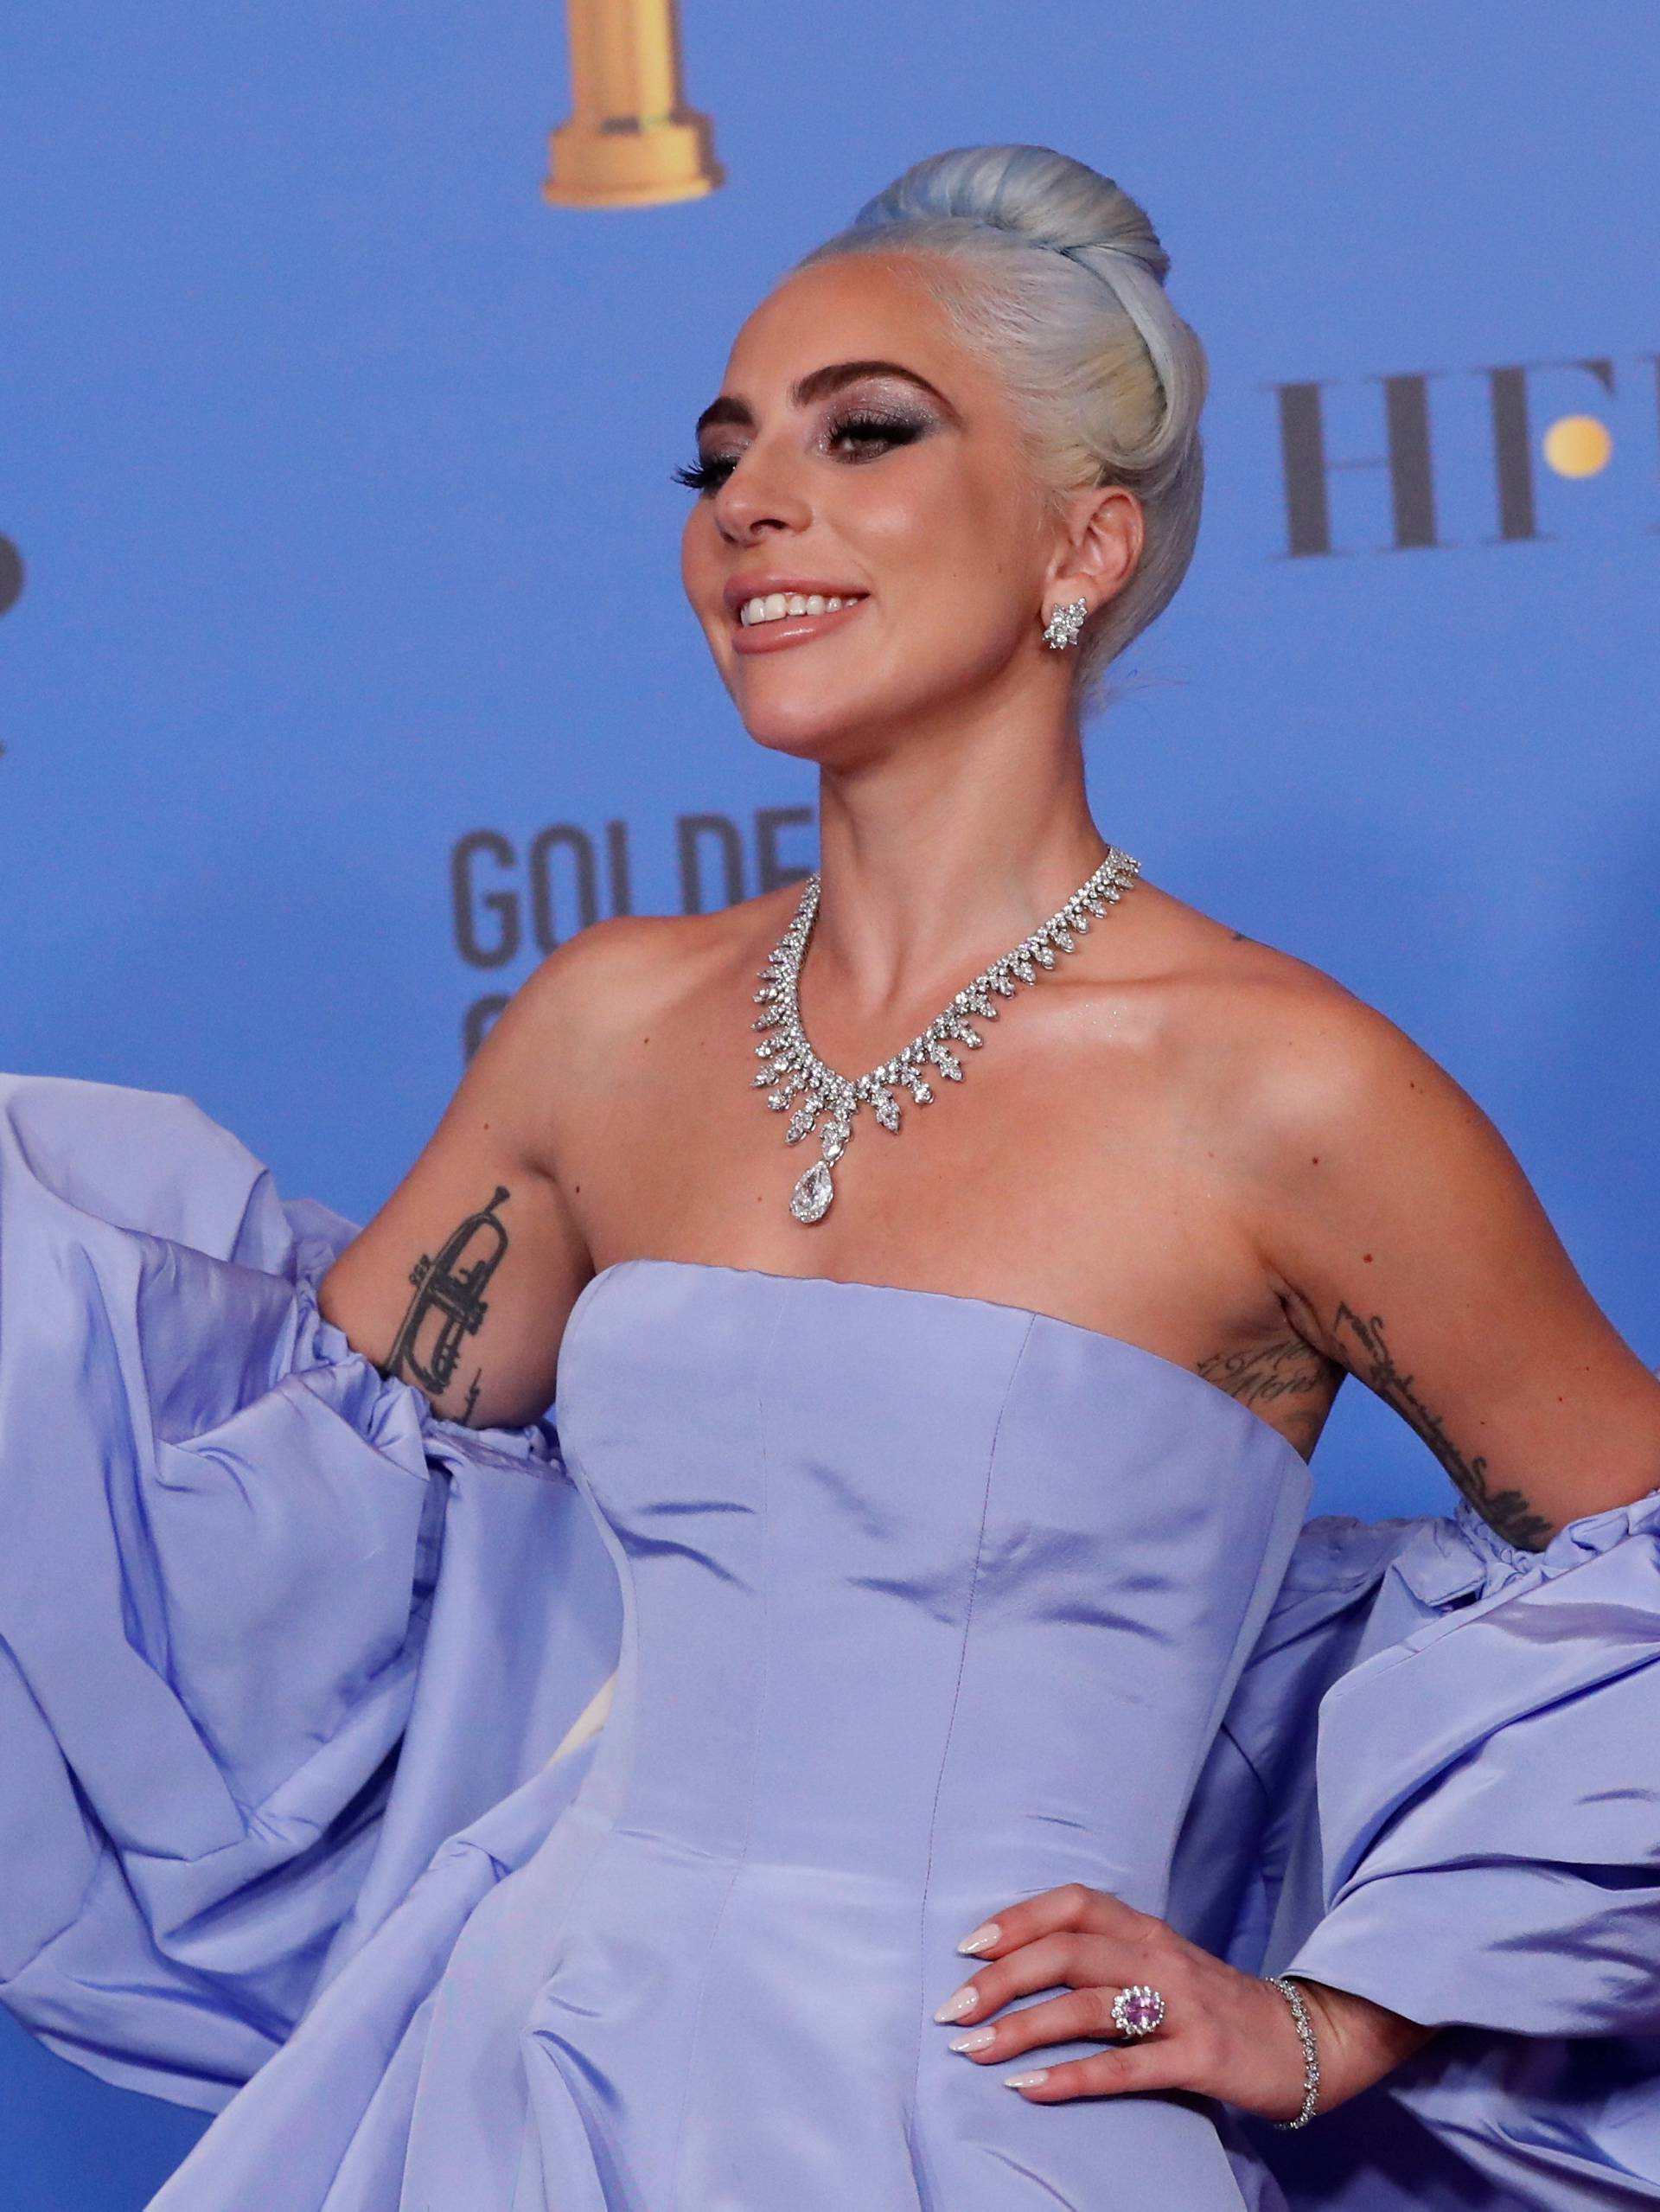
{"type": "Point", "coordinates": [1101, 534]}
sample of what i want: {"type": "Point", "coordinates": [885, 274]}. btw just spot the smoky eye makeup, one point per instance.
{"type": "Point", "coordinates": [876, 422]}
{"type": "Point", "coordinates": [852, 431]}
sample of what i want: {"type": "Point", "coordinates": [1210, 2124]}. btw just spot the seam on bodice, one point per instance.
{"type": "Point", "coordinates": [762, 1701]}
{"type": "Point", "coordinates": [918, 2153]}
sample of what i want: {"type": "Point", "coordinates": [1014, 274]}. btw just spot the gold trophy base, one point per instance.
{"type": "Point", "coordinates": [631, 162]}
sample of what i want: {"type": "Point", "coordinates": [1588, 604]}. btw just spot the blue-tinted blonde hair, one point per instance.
{"type": "Point", "coordinates": [1053, 274]}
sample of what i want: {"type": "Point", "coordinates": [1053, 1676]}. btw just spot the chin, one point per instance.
{"type": "Point", "coordinates": [806, 727]}
{"type": "Point", "coordinates": [840, 727]}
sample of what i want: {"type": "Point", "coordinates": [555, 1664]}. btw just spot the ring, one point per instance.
{"type": "Point", "coordinates": [1138, 2011]}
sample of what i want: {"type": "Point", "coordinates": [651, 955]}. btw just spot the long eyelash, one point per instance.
{"type": "Point", "coordinates": [893, 430]}
{"type": "Point", "coordinates": [889, 429]}
{"type": "Point", "coordinates": [700, 475]}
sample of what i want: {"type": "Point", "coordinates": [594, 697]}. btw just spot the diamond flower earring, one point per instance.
{"type": "Point", "coordinates": [1064, 624]}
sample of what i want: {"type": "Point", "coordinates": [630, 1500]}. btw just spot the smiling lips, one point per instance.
{"type": "Point", "coordinates": [767, 620]}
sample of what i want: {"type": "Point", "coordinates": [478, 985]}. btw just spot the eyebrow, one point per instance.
{"type": "Point", "coordinates": [818, 384]}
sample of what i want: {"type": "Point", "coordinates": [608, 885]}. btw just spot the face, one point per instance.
{"type": "Point", "coordinates": [859, 452]}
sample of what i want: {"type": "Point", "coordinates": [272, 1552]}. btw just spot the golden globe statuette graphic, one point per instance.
{"type": "Point", "coordinates": [630, 142]}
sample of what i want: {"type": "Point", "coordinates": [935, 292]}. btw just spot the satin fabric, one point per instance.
{"type": "Point", "coordinates": [917, 1604]}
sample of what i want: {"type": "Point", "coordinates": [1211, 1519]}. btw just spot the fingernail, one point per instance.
{"type": "Point", "coordinates": [964, 2001]}
{"type": "Point", "coordinates": [976, 2041]}
{"type": "Point", "coordinates": [1025, 2081]}
{"type": "Point", "coordinates": [982, 1939]}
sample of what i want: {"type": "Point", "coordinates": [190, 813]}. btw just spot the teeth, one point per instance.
{"type": "Point", "coordinates": [775, 604]}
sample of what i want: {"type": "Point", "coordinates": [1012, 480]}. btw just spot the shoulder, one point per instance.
{"type": "Point", "coordinates": [583, 1019]}
{"type": "Point", "coordinates": [611, 970]}
{"type": "Point", "coordinates": [1304, 1068]}
{"type": "Point", "coordinates": [1365, 1174]}
{"type": "Point", "coordinates": [615, 972]}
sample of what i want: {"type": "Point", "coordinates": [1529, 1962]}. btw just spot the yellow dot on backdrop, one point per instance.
{"type": "Point", "coordinates": [1578, 446]}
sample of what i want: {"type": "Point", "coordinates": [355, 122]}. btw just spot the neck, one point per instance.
{"type": "Point", "coordinates": [940, 854]}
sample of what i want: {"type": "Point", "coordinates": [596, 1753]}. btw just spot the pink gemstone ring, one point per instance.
{"type": "Point", "coordinates": [1138, 2011]}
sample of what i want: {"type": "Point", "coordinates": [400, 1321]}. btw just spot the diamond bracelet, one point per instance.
{"type": "Point", "coordinates": [1294, 1997]}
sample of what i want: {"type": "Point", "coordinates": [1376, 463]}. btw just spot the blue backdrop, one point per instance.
{"type": "Point", "coordinates": [345, 661]}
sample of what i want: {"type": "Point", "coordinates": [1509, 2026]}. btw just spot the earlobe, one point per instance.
{"type": "Point", "coordinates": [1102, 552]}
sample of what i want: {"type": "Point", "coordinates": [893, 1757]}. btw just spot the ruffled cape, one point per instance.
{"type": "Point", "coordinates": [254, 1596]}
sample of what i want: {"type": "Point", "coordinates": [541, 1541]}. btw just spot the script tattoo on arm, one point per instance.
{"type": "Point", "coordinates": [1288, 1368]}
{"type": "Point", "coordinates": [1507, 1511]}
{"type": "Point", "coordinates": [449, 1305]}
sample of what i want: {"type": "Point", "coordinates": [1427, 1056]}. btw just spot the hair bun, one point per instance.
{"type": "Point", "coordinates": [1031, 193]}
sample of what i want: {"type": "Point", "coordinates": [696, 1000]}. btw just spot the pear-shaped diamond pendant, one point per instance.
{"type": "Point", "coordinates": [831, 1101]}
{"type": "Point", "coordinates": [810, 1199]}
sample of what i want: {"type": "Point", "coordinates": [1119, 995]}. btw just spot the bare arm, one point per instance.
{"type": "Point", "coordinates": [460, 1282]}
{"type": "Point", "coordinates": [463, 1281]}
{"type": "Point", "coordinates": [1408, 1245]}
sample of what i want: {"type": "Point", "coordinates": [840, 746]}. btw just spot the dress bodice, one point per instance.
{"type": "Point", "coordinates": [915, 1584]}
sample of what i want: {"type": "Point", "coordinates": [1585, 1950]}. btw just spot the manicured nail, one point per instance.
{"type": "Point", "coordinates": [982, 1939]}
{"type": "Point", "coordinates": [1025, 2081]}
{"type": "Point", "coordinates": [964, 2001]}
{"type": "Point", "coordinates": [977, 2040]}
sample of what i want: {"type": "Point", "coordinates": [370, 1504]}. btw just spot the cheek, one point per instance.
{"type": "Point", "coordinates": [697, 554]}
{"type": "Point", "coordinates": [953, 531]}
{"type": "Point", "coordinates": [703, 577]}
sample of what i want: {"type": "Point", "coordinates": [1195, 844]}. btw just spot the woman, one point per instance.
{"type": "Point", "coordinates": [953, 1480]}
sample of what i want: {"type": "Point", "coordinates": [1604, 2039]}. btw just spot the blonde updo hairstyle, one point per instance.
{"type": "Point", "coordinates": [1052, 273]}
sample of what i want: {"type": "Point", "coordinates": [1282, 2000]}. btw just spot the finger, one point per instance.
{"type": "Point", "coordinates": [1067, 1961]}
{"type": "Point", "coordinates": [1062, 1961]}
{"type": "Point", "coordinates": [1073, 1905]}
{"type": "Point", "coordinates": [1058, 2020]}
{"type": "Point", "coordinates": [1137, 2070]}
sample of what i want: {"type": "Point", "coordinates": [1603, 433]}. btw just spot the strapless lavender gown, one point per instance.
{"type": "Point", "coordinates": [929, 1604]}
{"type": "Point", "coordinates": [918, 1604]}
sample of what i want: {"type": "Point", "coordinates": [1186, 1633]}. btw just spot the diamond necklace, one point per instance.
{"type": "Point", "coordinates": [794, 1067]}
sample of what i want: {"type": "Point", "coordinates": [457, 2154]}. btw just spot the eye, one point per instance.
{"type": "Point", "coordinates": [868, 429]}
{"type": "Point", "coordinates": [871, 432]}
{"type": "Point", "coordinates": [706, 475]}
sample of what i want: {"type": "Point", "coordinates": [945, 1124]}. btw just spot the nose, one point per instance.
{"type": "Point", "coordinates": [762, 492]}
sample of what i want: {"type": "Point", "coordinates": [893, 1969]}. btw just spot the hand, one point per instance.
{"type": "Point", "coordinates": [1225, 2033]}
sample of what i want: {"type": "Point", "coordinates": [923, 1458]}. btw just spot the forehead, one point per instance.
{"type": "Point", "coordinates": [858, 307]}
